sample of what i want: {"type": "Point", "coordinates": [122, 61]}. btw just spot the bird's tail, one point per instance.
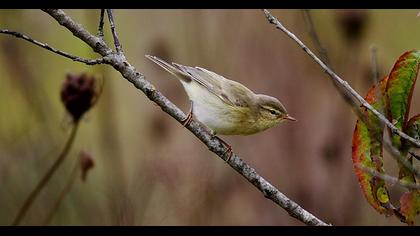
{"type": "Point", "coordinates": [170, 68]}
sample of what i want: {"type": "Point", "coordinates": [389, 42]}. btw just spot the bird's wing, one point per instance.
{"type": "Point", "coordinates": [170, 68]}
{"type": "Point", "coordinates": [226, 90]}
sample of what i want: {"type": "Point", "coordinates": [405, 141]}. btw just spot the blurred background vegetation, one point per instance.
{"type": "Point", "coordinates": [149, 170]}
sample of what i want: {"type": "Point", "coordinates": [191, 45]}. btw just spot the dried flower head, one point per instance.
{"type": "Point", "coordinates": [86, 163]}
{"type": "Point", "coordinates": [352, 22]}
{"type": "Point", "coordinates": [78, 94]}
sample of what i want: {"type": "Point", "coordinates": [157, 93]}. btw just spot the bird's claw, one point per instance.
{"type": "Point", "coordinates": [189, 117]}
{"type": "Point", "coordinates": [187, 120]}
{"type": "Point", "coordinates": [228, 151]}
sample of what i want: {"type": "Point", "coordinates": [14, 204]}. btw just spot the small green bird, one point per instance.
{"type": "Point", "coordinates": [225, 106]}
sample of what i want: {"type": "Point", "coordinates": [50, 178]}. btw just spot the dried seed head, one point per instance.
{"type": "Point", "coordinates": [86, 163]}
{"type": "Point", "coordinates": [78, 94]}
{"type": "Point", "coordinates": [352, 22]}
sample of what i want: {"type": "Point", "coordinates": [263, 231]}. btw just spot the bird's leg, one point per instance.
{"type": "Point", "coordinates": [189, 117]}
{"type": "Point", "coordinates": [229, 148]}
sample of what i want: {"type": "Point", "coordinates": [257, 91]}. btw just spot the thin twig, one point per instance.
{"type": "Point", "coordinates": [374, 64]}
{"type": "Point", "coordinates": [49, 48]}
{"type": "Point", "coordinates": [324, 55]}
{"type": "Point", "coordinates": [138, 80]}
{"type": "Point", "coordinates": [64, 192]}
{"type": "Point", "coordinates": [398, 157]}
{"type": "Point", "coordinates": [114, 31]}
{"type": "Point", "coordinates": [273, 20]}
{"type": "Point", "coordinates": [312, 32]}
{"type": "Point", "coordinates": [43, 182]}
{"type": "Point", "coordinates": [389, 178]}
{"type": "Point", "coordinates": [101, 24]}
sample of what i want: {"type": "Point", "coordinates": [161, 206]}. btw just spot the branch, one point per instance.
{"type": "Point", "coordinates": [312, 32]}
{"type": "Point", "coordinates": [118, 61]}
{"type": "Point", "coordinates": [324, 55]}
{"type": "Point", "coordinates": [389, 178]}
{"type": "Point", "coordinates": [342, 82]}
{"type": "Point", "coordinates": [49, 48]}
{"type": "Point", "coordinates": [398, 157]}
{"type": "Point", "coordinates": [96, 43]}
{"type": "Point", "coordinates": [114, 31]}
{"type": "Point", "coordinates": [101, 24]}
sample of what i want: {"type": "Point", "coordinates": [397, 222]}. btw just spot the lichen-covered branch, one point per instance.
{"type": "Point", "coordinates": [118, 61]}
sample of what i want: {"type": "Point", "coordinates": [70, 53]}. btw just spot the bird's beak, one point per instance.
{"type": "Point", "coordinates": [288, 117]}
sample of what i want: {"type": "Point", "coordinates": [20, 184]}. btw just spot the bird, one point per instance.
{"type": "Point", "coordinates": [225, 106]}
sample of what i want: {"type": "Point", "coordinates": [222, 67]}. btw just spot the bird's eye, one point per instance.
{"type": "Point", "coordinates": [273, 112]}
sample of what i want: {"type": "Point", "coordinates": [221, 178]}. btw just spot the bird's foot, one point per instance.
{"type": "Point", "coordinates": [189, 117]}
{"type": "Point", "coordinates": [228, 151]}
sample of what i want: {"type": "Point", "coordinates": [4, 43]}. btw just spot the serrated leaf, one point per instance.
{"type": "Point", "coordinates": [367, 151]}
{"type": "Point", "coordinates": [410, 205]}
{"type": "Point", "coordinates": [399, 91]}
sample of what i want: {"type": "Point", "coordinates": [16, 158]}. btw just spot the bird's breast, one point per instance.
{"type": "Point", "coordinates": [217, 115]}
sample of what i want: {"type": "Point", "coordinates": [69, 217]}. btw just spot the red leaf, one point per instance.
{"type": "Point", "coordinates": [399, 91]}
{"type": "Point", "coordinates": [367, 151]}
{"type": "Point", "coordinates": [410, 205]}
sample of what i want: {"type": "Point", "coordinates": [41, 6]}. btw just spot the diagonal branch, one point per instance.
{"type": "Point", "coordinates": [312, 32]}
{"type": "Point", "coordinates": [49, 48]}
{"type": "Point", "coordinates": [118, 61]}
{"type": "Point", "coordinates": [273, 20]}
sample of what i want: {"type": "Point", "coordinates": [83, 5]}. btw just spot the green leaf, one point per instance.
{"type": "Point", "coordinates": [399, 91]}
{"type": "Point", "coordinates": [367, 151]}
{"type": "Point", "coordinates": [410, 205]}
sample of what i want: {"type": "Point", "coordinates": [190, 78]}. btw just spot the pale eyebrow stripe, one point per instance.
{"type": "Point", "coordinates": [271, 109]}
